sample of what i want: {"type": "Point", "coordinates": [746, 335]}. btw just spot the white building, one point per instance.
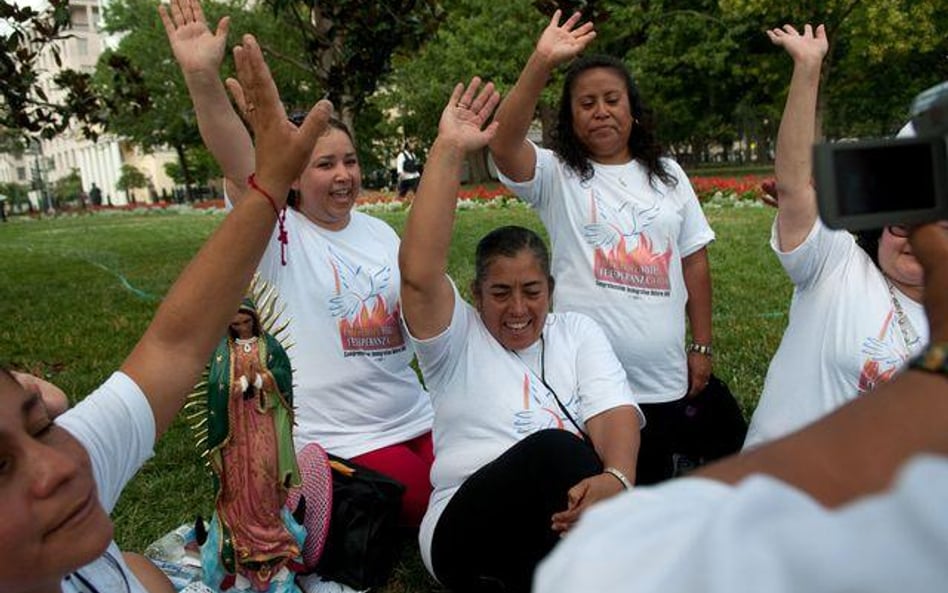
{"type": "Point", "coordinates": [100, 162]}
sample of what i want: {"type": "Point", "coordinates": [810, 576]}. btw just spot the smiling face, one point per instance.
{"type": "Point", "coordinates": [331, 182]}
{"type": "Point", "coordinates": [602, 115]}
{"type": "Point", "coordinates": [53, 523]}
{"type": "Point", "coordinates": [513, 299]}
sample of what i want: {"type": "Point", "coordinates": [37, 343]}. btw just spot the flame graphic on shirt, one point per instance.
{"type": "Point", "coordinates": [534, 415]}
{"type": "Point", "coordinates": [639, 268]}
{"type": "Point", "coordinates": [366, 324]}
{"type": "Point", "coordinates": [624, 254]}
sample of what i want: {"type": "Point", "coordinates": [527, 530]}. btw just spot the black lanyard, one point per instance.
{"type": "Point", "coordinates": [542, 379]}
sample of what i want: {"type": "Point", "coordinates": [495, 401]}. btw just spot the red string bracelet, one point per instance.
{"type": "Point", "coordinates": [282, 237]}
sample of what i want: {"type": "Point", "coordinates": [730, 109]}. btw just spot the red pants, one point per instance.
{"type": "Point", "coordinates": [409, 463]}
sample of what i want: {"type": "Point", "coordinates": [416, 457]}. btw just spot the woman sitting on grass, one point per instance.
{"type": "Point", "coordinates": [356, 394]}
{"type": "Point", "coordinates": [512, 386]}
{"type": "Point", "coordinates": [856, 316]}
{"type": "Point", "coordinates": [58, 479]}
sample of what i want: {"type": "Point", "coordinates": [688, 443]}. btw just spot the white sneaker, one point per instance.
{"type": "Point", "coordinates": [313, 583]}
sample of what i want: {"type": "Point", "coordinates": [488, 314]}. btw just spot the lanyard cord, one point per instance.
{"type": "Point", "coordinates": [542, 378]}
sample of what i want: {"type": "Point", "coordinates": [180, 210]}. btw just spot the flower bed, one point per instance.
{"type": "Point", "coordinates": [732, 188]}
{"type": "Point", "coordinates": [713, 192]}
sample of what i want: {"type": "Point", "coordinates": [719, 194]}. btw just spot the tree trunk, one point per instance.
{"type": "Point", "coordinates": [347, 114]}
{"type": "Point", "coordinates": [477, 169]}
{"type": "Point", "coordinates": [185, 172]}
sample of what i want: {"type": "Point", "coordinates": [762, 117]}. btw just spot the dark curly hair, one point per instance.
{"type": "Point", "coordinates": [643, 144]}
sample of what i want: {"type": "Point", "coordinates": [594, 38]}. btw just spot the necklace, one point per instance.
{"type": "Point", "coordinates": [246, 344]}
{"type": "Point", "coordinates": [909, 335]}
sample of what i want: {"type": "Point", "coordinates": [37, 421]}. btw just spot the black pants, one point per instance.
{"type": "Point", "coordinates": [497, 527]}
{"type": "Point", "coordinates": [662, 428]}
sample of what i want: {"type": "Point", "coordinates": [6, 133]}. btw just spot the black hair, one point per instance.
{"type": "Point", "coordinates": [643, 144]}
{"type": "Point", "coordinates": [297, 118]}
{"type": "Point", "coordinates": [508, 241]}
{"type": "Point", "coordinates": [869, 242]}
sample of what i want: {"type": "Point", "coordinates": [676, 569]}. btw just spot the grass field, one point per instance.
{"type": "Point", "coordinates": [77, 292]}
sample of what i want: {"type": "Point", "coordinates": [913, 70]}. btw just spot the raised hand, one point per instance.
{"type": "Point", "coordinates": [560, 43]}
{"type": "Point", "coordinates": [809, 47]}
{"type": "Point", "coordinates": [195, 47]}
{"type": "Point", "coordinates": [462, 121]}
{"type": "Point", "coordinates": [281, 149]}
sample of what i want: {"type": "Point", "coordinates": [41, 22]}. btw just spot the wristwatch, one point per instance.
{"type": "Point", "coordinates": [700, 348]}
{"type": "Point", "coordinates": [933, 359]}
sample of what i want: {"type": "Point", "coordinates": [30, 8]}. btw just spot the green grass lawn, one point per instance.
{"type": "Point", "coordinates": [76, 293]}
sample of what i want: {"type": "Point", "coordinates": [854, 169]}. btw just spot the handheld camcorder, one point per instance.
{"type": "Point", "coordinates": [874, 183]}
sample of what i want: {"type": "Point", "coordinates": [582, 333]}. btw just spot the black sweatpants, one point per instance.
{"type": "Point", "coordinates": [497, 527]}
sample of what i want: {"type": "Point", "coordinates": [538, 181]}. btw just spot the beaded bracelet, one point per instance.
{"type": "Point", "coordinates": [282, 237]}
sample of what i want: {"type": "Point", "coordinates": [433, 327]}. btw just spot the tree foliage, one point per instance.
{"type": "Point", "coordinates": [348, 44]}
{"type": "Point", "coordinates": [25, 106]}
{"type": "Point", "coordinates": [704, 66]}
{"type": "Point", "coordinates": [131, 178]}
{"type": "Point", "coordinates": [148, 101]}
{"type": "Point", "coordinates": [203, 167]}
{"type": "Point", "coordinates": [67, 187]}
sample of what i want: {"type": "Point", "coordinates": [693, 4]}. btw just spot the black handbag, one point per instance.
{"type": "Point", "coordinates": [364, 539]}
{"type": "Point", "coordinates": [712, 426]}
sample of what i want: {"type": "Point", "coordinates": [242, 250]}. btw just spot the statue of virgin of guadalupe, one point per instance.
{"type": "Point", "coordinates": [253, 541]}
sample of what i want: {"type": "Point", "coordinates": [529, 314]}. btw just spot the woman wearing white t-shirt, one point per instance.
{"type": "Point", "coordinates": [856, 315]}
{"type": "Point", "coordinates": [512, 386]}
{"type": "Point", "coordinates": [336, 270]}
{"type": "Point", "coordinates": [59, 478]}
{"type": "Point", "coordinates": [627, 232]}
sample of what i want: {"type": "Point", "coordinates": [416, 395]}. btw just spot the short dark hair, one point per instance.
{"type": "Point", "coordinates": [508, 241]}
{"type": "Point", "coordinates": [643, 144]}
{"type": "Point", "coordinates": [869, 242]}
{"type": "Point", "coordinates": [297, 118]}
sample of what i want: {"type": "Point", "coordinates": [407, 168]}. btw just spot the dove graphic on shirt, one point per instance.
{"type": "Point", "coordinates": [539, 409]}
{"type": "Point", "coordinates": [356, 286]}
{"type": "Point", "coordinates": [884, 357]}
{"type": "Point", "coordinates": [614, 224]}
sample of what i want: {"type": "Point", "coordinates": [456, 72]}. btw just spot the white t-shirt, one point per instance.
{"type": "Point", "coordinates": [487, 398]}
{"type": "Point", "coordinates": [354, 389]}
{"type": "Point", "coordinates": [400, 165]}
{"type": "Point", "coordinates": [617, 247]}
{"type": "Point", "coordinates": [694, 534]}
{"type": "Point", "coordinates": [116, 427]}
{"type": "Point", "coordinates": [842, 338]}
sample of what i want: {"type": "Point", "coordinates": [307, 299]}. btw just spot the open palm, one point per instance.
{"type": "Point", "coordinates": [560, 43]}
{"type": "Point", "coordinates": [462, 121]}
{"type": "Point", "coordinates": [195, 47]}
